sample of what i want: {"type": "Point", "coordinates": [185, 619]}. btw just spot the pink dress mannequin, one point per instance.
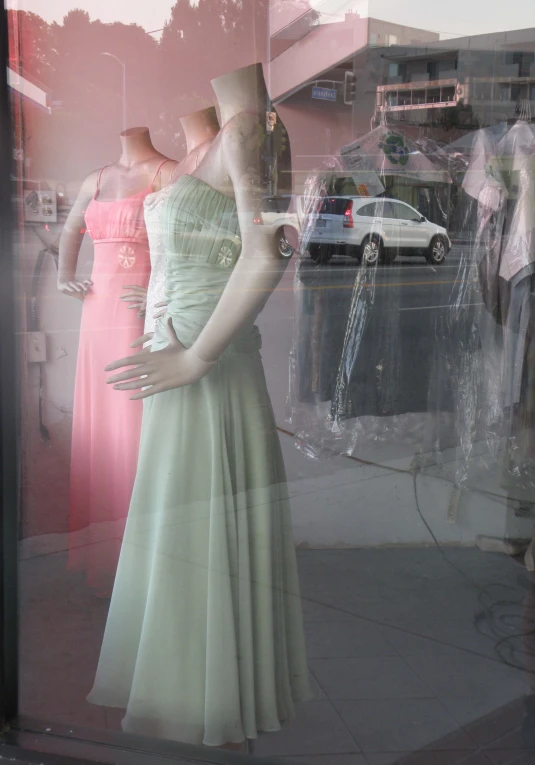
{"type": "Point", "coordinates": [106, 426]}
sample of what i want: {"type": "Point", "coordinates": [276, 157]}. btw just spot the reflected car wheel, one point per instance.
{"type": "Point", "coordinates": [371, 250]}
{"type": "Point", "coordinates": [285, 248]}
{"type": "Point", "coordinates": [319, 253]}
{"type": "Point", "coordinates": [287, 241]}
{"type": "Point", "coordinates": [389, 256]}
{"type": "Point", "coordinates": [436, 253]}
{"type": "Point", "coordinates": [353, 251]}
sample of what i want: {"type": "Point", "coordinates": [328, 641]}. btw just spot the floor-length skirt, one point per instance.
{"type": "Point", "coordinates": [106, 426]}
{"type": "Point", "coordinates": [204, 640]}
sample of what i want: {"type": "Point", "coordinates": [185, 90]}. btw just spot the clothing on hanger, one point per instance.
{"type": "Point", "coordinates": [356, 350]}
{"type": "Point", "coordinates": [501, 178]}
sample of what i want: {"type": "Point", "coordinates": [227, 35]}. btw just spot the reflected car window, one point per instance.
{"type": "Point", "coordinates": [404, 212]}
{"type": "Point", "coordinates": [368, 211]}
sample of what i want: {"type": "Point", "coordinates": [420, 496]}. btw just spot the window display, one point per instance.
{"type": "Point", "coordinates": [204, 638]}
{"type": "Point", "coordinates": [276, 493]}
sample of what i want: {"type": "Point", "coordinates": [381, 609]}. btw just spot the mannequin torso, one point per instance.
{"type": "Point", "coordinates": [132, 173]}
{"type": "Point", "coordinates": [200, 130]}
{"type": "Point", "coordinates": [135, 170]}
{"type": "Point", "coordinates": [234, 166]}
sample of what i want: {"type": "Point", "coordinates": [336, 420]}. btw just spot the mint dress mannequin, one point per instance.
{"type": "Point", "coordinates": [204, 640]}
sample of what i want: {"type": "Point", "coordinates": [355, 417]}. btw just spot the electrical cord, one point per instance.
{"type": "Point", "coordinates": [34, 326]}
{"type": "Point", "coordinates": [487, 611]}
{"type": "Point", "coordinates": [391, 468]}
{"type": "Point", "coordinates": [504, 651]}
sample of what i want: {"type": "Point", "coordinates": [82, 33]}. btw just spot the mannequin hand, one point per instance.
{"type": "Point", "coordinates": [172, 367]}
{"type": "Point", "coordinates": [141, 340]}
{"type": "Point", "coordinates": [163, 306]}
{"type": "Point", "coordinates": [74, 288]}
{"type": "Point", "coordinates": [137, 296]}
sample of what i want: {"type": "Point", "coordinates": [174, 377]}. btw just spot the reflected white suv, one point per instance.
{"type": "Point", "coordinates": [279, 212]}
{"type": "Point", "coordinates": [373, 230]}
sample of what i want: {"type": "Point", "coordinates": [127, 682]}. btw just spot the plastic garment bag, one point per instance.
{"type": "Point", "coordinates": [440, 364]}
{"type": "Point", "coordinates": [506, 267]}
{"type": "Point", "coordinates": [371, 362]}
{"type": "Point", "coordinates": [450, 379]}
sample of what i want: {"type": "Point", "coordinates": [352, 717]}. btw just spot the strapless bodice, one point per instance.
{"type": "Point", "coordinates": [201, 224]}
{"type": "Point", "coordinates": [201, 237]}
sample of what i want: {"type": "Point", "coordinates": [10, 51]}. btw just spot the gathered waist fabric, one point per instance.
{"type": "Point", "coordinates": [127, 239]}
{"type": "Point", "coordinates": [192, 292]}
{"type": "Point", "coordinates": [127, 261]}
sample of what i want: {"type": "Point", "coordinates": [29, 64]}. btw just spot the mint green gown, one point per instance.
{"type": "Point", "coordinates": [204, 638]}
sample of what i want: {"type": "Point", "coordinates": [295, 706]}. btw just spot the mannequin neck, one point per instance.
{"type": "Point", "coordinates": [199, 127]}
{"type": "Point", "coordinates": [241, 91]}
{"type": "Point", "coordinates": [136, 146]}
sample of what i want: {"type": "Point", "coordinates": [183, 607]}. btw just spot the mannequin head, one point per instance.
{"type": "Point", "coordinates": [200, 127]}
{"type": "Point", "coordinates": [241, 91]}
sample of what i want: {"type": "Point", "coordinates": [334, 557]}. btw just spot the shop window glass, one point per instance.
{"type": "Point", "coordinates": [276, 481]}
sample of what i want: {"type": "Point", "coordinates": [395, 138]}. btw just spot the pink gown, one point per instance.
{"type": "Point", "coordinates": [106, 423]}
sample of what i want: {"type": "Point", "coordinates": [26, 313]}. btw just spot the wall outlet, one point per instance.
{"type": "Point", "coordinates": [35, 347]}
{"type": "Point", "coordinates": [40, 206]}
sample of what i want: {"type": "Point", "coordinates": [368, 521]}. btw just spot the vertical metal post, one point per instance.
{"type": "Point", "coordinates": [112, 55]}
{"type": "Point", "coordinates": [9, 407]}
{"type": "Point", "coordinates": [269, 107]}
{"type": "Point", "coordinates": [124, 95]}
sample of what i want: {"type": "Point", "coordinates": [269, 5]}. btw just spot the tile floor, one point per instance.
{"type": "Point", "coordinates": [417, 656]}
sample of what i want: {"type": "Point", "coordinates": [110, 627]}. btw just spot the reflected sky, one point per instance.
{"type": "Point", "coordinates": [453, 18]}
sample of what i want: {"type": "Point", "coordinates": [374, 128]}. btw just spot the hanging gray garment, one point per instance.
{"type": "Point", "coordinates": [515, 330]}
{"type": "Point", "coordinates": [516, 154]}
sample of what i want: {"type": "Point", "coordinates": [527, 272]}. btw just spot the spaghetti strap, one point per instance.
{"type": "Point", "coordinates": [97, 192]}
{"type": "Point", "coordinates": [158, 170]}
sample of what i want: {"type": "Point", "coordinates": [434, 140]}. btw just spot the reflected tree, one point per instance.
{"type": "Point", "coordinates": [165, 79]}
{"type": "Point", "coordinates": [201, 41]}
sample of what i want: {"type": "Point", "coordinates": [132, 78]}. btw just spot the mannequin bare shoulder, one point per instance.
{"type": "Point", "coordinates": [242, 141]}
{"type": "Point", "coordinates": [166, 175]}
{"type": "Point", "coordinates": [242, 145]}
{"type": "Point", "coordinates": [71, 240]}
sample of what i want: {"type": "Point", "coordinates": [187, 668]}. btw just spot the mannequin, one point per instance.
{"type": "Point", "coordinates": [242, 98]}
{"type": "Point", "coordinates": [131, 172]}
{"type": "Point", "coordinates": [204, 640]}
{"type": "Point", "coordinates": [200, 129]}
{"type": "Point", "coordinates": [105, 435]}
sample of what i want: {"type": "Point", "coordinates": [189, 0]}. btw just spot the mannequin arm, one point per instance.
{"type": "Point", "coordinates": [71, 240]}
{"type": "Point", "coordinates": [137, 297]}
{"type": "Point", "coordinates": [259, 268]}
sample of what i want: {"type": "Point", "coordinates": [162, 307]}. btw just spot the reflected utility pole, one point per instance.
{"type": "Point", "coordinates": [112, 55]}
